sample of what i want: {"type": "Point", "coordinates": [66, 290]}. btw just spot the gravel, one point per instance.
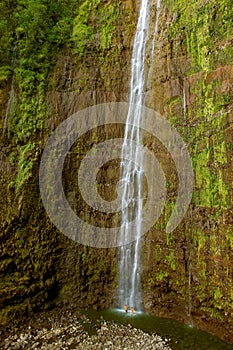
{"type": "Point", "coordinates": [69, 332]}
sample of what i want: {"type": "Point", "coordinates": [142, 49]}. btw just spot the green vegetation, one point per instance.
{"type": "Point", "coordinates": [209, 151]}
{"type": "Point", "coordinates": [206, 29]}
{"type": "Point", "coordinates": [170, 258]}
{"type": "Point", "coordinates": [160, 276]}
{"type": "Point", "coordinates": [34, 36]}
{"type": "Point", "coordinates": [95, 26]}
{"type": "Point", "coordinates": [36, 31]}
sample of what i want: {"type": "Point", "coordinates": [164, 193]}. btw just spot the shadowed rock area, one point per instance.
{"type": "Point", "coordinates": [60, 57]}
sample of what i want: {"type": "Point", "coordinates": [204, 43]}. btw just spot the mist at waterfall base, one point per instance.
{"type": "Point", "coordinates": [180, 336]}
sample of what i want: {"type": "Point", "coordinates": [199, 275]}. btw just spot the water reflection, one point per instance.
{"type": "Point", "coordinates": [182, 337]}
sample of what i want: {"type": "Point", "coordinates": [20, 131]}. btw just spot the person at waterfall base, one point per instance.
{"type": "Point", "coordinates": [126, 308]}
{"type": "Point", "coordinates": [132, 311]}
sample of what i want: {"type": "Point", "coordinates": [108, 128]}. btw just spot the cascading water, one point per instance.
{"type": "Point", "coordinates": [184, 101]}
{"type": "Point", "coordinates": [190, 294]}
{"type": "Point", "coordinates": [132, 174]}
{"type": "Point", "coordinates": [152, 50]}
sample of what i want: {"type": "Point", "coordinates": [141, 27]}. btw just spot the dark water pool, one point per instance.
{"type": "Point", "coordinates": [182, 337]}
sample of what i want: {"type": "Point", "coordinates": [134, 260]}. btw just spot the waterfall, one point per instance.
{"type": "Point", "coordinates": [184, 101]}
{"type": "Point", "coordinates": [132, 175]}
{"type": "Point", "coordinates": [152, 49]}
{"type": "Point", "coordinates": [190, 307]}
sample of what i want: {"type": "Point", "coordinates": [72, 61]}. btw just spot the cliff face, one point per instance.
{"type": "Point", "coordinates": [192, 87]}
{"type": "Point", "coordinates": [58, 59]}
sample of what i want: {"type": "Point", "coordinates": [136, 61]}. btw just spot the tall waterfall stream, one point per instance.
{"type": "Point", "coordinates": [131, 171]}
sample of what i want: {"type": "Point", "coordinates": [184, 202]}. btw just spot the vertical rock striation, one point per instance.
{"type": "Point", "coordinates": [76, 55]}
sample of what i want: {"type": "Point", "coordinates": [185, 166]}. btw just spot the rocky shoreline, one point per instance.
{"type": "Point", "coordinates": [70, 332]}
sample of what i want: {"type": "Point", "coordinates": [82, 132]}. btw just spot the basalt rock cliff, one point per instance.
{"type": "Point", "coordinates": [60, 57]}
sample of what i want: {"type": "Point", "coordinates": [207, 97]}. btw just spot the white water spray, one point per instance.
{"type": "Point", "coordinates": [152, 49]}
{"type": "Point", "coordinates": [184, 101]}
{"type": "Point", "coordinates": [132, 174]}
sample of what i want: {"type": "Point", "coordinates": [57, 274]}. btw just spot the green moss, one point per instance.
{"type": "Point", "coordinates": [201, 266]}
{"type": "Point", "coordinates": [6, 39]}
{"type": "Point", "coordinates": [212, 312]}
{"type": "Point", "coordinates": [229, 236]}
{"type": "Point", "coordinates": [158, 253]}
{"type": "Point", "coordinates": [13, 311]}
{"type": "Point", "coordinates": [171, 260]}
{"type": "Point", "coordinates": [206, 120]}
{"type": "Point", "coordinates": [5, 73]}
{"type": "Point", "coordinates": [204, 27]}
{"type": "Point", "coordinates": [209, 152]}
{"type": "Point", "coordinates": [94, 26]}
{"type": "Point", "coordinates": [161, 275]}
{"type": "Point", "coordinates": [25, 164]}
{"type": "Point", "coordinates": [40, 29]}
{"type": "Point", "coordinates": [199, 240]}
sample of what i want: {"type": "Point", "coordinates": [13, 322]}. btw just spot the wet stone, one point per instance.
{"type": "Point", "coordinates": [70, 334]}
